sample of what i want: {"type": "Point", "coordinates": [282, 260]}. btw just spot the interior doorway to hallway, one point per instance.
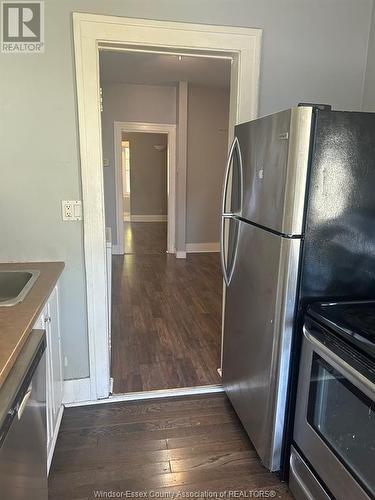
{"type": "Point", "coordinates": [92, 34]}
{"type": "Point", "coordinates": [166, 311]}
{"type": "Point", "coordinates": [140, 185]}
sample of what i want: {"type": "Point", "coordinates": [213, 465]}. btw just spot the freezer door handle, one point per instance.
{"type": "Point", "coordinates": [234, 147]}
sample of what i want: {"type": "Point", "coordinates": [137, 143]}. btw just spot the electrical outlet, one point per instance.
{"type": "Point", "coordinates": [71, 210]}
{"type": "Point", "coordinates": [67, 208]}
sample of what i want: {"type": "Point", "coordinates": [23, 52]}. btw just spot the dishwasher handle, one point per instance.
{"type": "Point", "coordinates": [22, 405]}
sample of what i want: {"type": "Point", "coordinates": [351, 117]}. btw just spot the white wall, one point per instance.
{"type": "Point", "coordinates": [313, 50]}
{"type": "Point", "coordinates": [207, 143]}
{"type": "Point", "coordinates": [130, 103]}
{"type": "Point", "coordinates": [369, 88]}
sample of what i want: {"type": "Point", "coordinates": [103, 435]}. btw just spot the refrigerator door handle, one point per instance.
{"type": "Point", "coordinates": [241, 175]}
{"type": "Point", "coordinates": [222, 249]}
{"type": "Point", "coordinates": [224, 215]}
{"type": "Point", "coordinates": [235, 146]}
{"type": "Point", "coordinates": [227, 274]}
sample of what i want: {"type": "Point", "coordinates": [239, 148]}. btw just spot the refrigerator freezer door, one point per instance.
{"type": "Point", "coordinates": [275, 157]}
{"type": "Point", "coordinates": [259, 310]}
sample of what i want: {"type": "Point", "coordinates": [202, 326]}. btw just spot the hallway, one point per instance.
{"type": "Point", "coordinates": [166, 314]}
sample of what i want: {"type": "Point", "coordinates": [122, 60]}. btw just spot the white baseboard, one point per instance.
{"type": "Point", "coordinates": [116, 250]}
{"type": "Point", "coordinates": [147, 218]}
{"type": "Point", "coordinates": [76, 391]}
{"type": "Point", "coordinates": [180, 255]}
{"type": "Point", "coordinates": [164, 393]}
{"type": "Point", "coordinates": [202, 247]}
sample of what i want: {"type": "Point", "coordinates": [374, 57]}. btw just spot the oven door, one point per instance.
{"type": "Point", "coordinates": [335, 418]}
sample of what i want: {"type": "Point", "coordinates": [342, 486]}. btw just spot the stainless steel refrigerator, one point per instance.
{"type": "Point", "coordinates": [297, 201]}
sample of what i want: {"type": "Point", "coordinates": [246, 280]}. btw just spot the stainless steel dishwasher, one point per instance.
{"type": "Point", "coordinates": [23, 429]}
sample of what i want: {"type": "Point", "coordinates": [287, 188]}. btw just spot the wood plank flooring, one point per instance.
{"type": "Point", "coordinates": [166, 315]}
{"type": "Point", "coordinates": [143, 238]}
{"type": "Point", "coordinates": [170, 446]}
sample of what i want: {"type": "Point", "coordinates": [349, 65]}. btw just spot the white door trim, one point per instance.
{"type": "Point", "coordinates": [91, 32]}
{"type": "Point", "coordinates": [182, 130]}
{"type": "Point", "coordinates": [150, 128]}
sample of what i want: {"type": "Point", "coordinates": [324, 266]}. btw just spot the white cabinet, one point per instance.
{"type": "Point", "coordinates": [50, 322]}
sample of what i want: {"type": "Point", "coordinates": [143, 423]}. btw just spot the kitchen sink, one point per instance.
{"type": "Point", "coordinates": [15, 285]}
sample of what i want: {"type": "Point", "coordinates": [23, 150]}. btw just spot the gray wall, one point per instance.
{"type": "Point", "coordinates": [313, 50]}
{"type": "Point", "coordinates": [207, 146]}
{"type": "Point", "coordinates": [148, 174]}
{"type": "Point", "coordinates": [130, 103]}
{"type": "Point", "coordinates": [369, 89]}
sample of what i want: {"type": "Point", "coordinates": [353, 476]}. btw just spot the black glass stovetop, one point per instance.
{"type": "Point", "coordinates": [353, 321]}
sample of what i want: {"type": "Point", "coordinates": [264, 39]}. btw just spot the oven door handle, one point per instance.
{"type": "Point", "coordinates": [355, 377]}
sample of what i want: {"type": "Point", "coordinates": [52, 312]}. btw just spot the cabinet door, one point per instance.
{"type": "Point", "coordinates": [50, 322]}
{"type": "Point", "coordinates": [43, 323]}
{"type": "Point", "coordinates": [55, 355]}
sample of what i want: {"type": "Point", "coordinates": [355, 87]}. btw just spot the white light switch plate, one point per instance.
{"type": "Point", "coordinates": [71, 210]}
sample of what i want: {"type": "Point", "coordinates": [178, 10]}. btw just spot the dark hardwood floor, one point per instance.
{"type": "Point", "coordinates": [166, 315]}
{"type": "Point", "coordinates": [170, 446]}
{"type": "Point", "coordinates": [144, 238]}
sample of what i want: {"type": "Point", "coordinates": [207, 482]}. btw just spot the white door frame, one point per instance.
{"type": "Point", "coordinates": [149, 128]}
{"type": "Point", "coordinates": [92, 32]}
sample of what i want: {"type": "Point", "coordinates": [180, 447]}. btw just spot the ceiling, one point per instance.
{"type": "Point", "coordinates": [159, 69]}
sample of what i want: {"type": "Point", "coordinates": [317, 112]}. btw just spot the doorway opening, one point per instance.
{"type": "Point", "coordinates": [93, 33]}
{"type": "Point", "coordinates": [144, 192]}
{"type": "Point", "coordinates": [151, 182]}
{"type": "Point", "coordinates": [125, 171]}
{"type": "Point", "coordinates": [166, 311]}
